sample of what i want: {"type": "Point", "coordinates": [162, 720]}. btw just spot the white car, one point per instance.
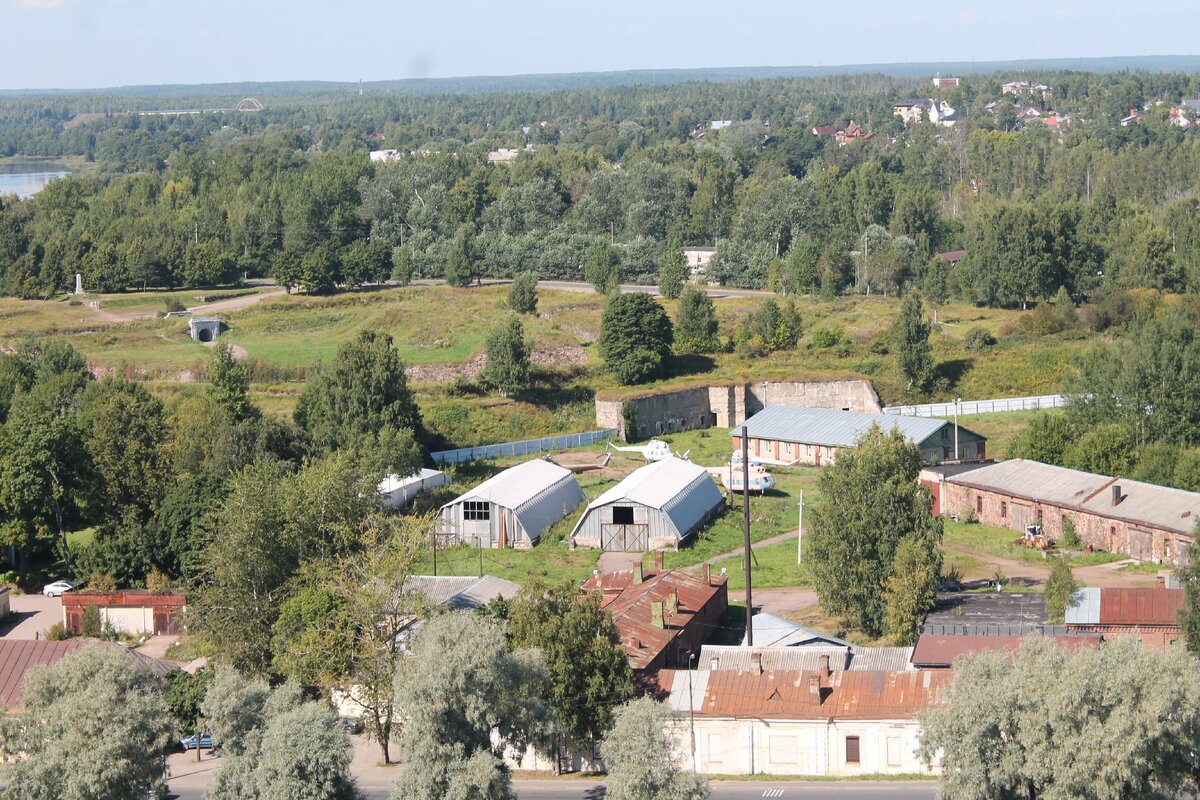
{"type": "Point", "coordinates": [57, 588]}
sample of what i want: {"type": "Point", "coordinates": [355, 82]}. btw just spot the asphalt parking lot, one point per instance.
{"type": "Point", "coordinates": [32, 615]}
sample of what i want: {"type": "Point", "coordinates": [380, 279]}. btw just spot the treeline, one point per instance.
{"type": "Point", "coordinates": [152, 478]}
{"type": "Point", "coordinates": [290, 193]}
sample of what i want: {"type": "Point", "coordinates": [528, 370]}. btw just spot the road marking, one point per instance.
{"type": "Point", "coordinates": [773, 793]}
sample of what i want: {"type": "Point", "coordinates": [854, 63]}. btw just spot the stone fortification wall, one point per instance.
{"type": "Point", "coordinates": [729, 405]}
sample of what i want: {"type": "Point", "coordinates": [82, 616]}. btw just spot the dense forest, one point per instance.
{"type": "Point", "coordinates": [1087, 204]}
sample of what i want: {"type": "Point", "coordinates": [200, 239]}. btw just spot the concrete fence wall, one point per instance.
{"type": "Point", "coordinates": [968, 408]}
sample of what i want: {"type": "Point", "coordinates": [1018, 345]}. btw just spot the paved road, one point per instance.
{"type": "Point", "coordinates": [627, 288]}
{"type": "Point", "coordinates": [721, 790]}
{"type": "Point", "coordinates": [32, 615]}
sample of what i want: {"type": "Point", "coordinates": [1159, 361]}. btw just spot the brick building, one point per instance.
{"type": "Point", "coordinates": [663, 616]}
{"type": "Point", "coordinates": [1149, 614]}
{"type": "Point", "coordinates": [787, 435]}
{"type": "Point", "coordinates": [132, 611]}
{"type": "Point", "coordinates": [1140, 520]}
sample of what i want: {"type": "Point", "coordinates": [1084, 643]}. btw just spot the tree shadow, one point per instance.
{"type": "Point", "coordinates": [952, 370]}
{"type": "Point", "coordinates": [688, 364]}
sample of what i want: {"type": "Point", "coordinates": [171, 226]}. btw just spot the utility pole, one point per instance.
{"type": "Point", "coordinates": [957, 400]}
{"type": "Point", "coordinates": [800, 532]}
{"type": "Point", "coordinates": [434, 534]}
{"type": "Point", "coordinates": [746, 532]}
{"type": "Point", "coordinates": [480, 540]}
{"type": "Point", "coordinates": [692, 712]}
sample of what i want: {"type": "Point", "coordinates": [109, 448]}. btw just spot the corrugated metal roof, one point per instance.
{"type": "Point", "coordinates": [796, 694]}
{"type": "Point", "coordinates": [1140, 606]}
{"type": "Point", "coordinates": [833, 428]}
{"type": "Point", "coordinates": [773, 631]}
{"type": "Point", "coordinates": [654, 485]}
{"type": "Point", "coordinates": [887, 659]}
{"type": "Point", "coordinates": [1086, 608]}
{"type": "Point", "coordinates": [457, 592]}
{"type": "Point", "coordinates": [1141, 503]}
{"type": "Point", "coordinates": [943, 651]}
{"type": "Point", "coordinates": [18, 656]}
{"type": "Point", "coordinates": [392, 483]}
{"type": "Point", "coordinates": [631, 608]}
{"type": "Point", "coordinates": [516, 486]}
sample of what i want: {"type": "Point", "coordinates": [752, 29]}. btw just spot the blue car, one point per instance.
{"type": "Point", "coordinates": [189, 742]}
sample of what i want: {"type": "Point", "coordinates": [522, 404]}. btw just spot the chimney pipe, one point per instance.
{"type": "Point", "coordinates": [1116, 494]}
{"type": "Point", "coordinates": [756, 662]}
{"type": "Point", "coordinates": [637, 572]}
{"type": "Point", "coordinates": [658, 560]}
{"type": "Point", "coordinates": [706, 574]}
{"type": "Point", "coordinates": [824, 662]}
{"type": "Point", "coordinates": [814, 687]}
{"type": "Point", "coordinates": [656, 614]}
{"type": "Point", "coordinates": [673, 602]}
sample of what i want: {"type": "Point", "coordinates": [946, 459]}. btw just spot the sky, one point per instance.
{"type": "Point", "coordinates": [101, 43]}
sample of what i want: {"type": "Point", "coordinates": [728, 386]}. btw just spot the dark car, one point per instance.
{"type": "Point", "coordinates": [350, 724]}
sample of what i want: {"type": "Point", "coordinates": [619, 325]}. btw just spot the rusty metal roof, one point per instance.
{"type": "Point", "coordinates": [630, 607]}
{"type": "Point", "coordinates": [125, 598]}
{"type": "Point", "coordinates": [17, 657]}
{"type": "Point", "coordinates": [804, 694]}
{"type": "Point", "coordinates": [942, 651]}
{"type": "Point", "coordinates": [1140, 606]}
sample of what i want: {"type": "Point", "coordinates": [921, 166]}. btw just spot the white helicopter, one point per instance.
{"type": "Point", "coordinates": [653, 450]}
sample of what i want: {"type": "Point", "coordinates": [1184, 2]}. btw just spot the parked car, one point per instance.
{"type": "Point", "coordinates": [57, 588]}
{"type": "Point", "coordinates": [189, 742]}
{"type": "Point", "coordinates": [350, 724]}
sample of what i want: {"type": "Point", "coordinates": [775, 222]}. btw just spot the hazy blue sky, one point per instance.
{"type": "Point", "coordinates": [93, 43]}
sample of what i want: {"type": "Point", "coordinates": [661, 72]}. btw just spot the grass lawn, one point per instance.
{"type": "Point", "coordinates": [982, 541]}
{"type": "Point", "coordinates": [1001, 428]}
{"type": "Point", "coordinates": [773, 566]}
{"type": "Point", "coordinates": [548, 561]}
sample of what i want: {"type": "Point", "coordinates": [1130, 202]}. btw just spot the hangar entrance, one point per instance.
{"type": "Point", "coordinates": [623, 534]}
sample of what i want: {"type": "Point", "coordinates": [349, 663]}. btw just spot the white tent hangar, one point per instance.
{"type": "Point", "coordinates": [513, 508]}
{"type": "Point", "coordinates": [398, 492]}
{"type": "Point", "coordinates": [656, 506]}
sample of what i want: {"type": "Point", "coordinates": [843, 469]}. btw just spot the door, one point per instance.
{"type": "Point", "coordinates": [164, 621]}
{"type": "Point", "coordinates": [623, 533]}
{"type": "Point", "coordinates": [1022, 516]}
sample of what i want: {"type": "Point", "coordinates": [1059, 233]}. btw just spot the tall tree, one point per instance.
{"type": "Point", "coordinates": [464, 698]}
{"type": "Point", "coordinates": [1060, 591]}
{"type": "Point", "coordinates": [602, 267]}
{"type": "Point", "coordinates": [672, 271]}
{"type": "Point", "coordinates": [1189, 615]}
{"type": "Point", "coordinates": [92, 726]}
{"type": "Point", "coordinates": [935, 286]}
{"type": "Point", "coordinates": [522, 295]}
{"type": "Point", "coordinates": [910, 336]}
{"type": "Point", "coordinates": [229, 384]}
{"type": "Point", "coordinates": [1104, 724]}
{"type": "Point", "coordinates": [589, 672]}
{"type": "Point", "coordinates": [909, 590]}
{"type": "Point", "coordinates": [635, 337]}
{"type": "Point", "coordinates": [870, 503]}
{"type": "Point", "coordinates": [508, 351]}
{"type": "Point", "coordinates": [124, 434]}
{"type": "Point", "coordinates": [696, 323]}
{"type": "Point", "coordinates": [460, 258]}
{"type": "Point", "coordinates": [637, 754]}
{"type": "Point", "coordinates": [359, 398]}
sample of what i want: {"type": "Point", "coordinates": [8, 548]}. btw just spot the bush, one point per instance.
{"type": "Point", "coordinates": [1070, 537]}
{"type": "Point", "coordinates": [174, 306]}
{"type": "Point", "coordinates": [832, 336]}
{"type": "Point", "coordinates": [58, 633]}
{"type": "Point", "coordinates": [91, 627]}
{"type": "Point", "coordinates": [979, 339]}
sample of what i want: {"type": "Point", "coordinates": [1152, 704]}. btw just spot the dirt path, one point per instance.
{"type": "Point", "coordinates": [1032, 573]}
{"type": "Point", "coordinates": [780, 602]}
{"type": "Point", "coordinates": [232, 304]}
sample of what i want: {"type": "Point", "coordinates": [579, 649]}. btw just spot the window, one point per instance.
{"type": "Point", "coordinates": [1003, 509]}
{"type": "Point", "coordinates": [716, 748]}
{"type": "Point", "coordinates": [807, 452]}
{"type": "Point", "coordinates": [893, 751]}
{"type": "Point", "coordinates": [852, 750]}
{"type": "Point", "coordinates": [945, 434]}
{"type": "Point", "coordinates": [789, 448]}
{"type": "Point", "coordinates": [622, 515]}
{"type": "Point", "coordinates": [979, 505]}
{"type": "Point", "coordinates": [945, 454]}
{"type": "Point", "coordinates": [783, 750]}
{"type": "Point", "coordinates": [475, 510]}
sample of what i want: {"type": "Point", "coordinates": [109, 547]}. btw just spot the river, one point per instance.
{"type": "Point", "coordinates": [27, 178]}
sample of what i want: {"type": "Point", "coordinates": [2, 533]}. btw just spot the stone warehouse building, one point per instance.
{"type": "Point", "coordinates": [784, 435]}
{"type": "Point", "coordinates": [1140, 520]}
{"type": "Point", "coordinates": [725, 405]}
